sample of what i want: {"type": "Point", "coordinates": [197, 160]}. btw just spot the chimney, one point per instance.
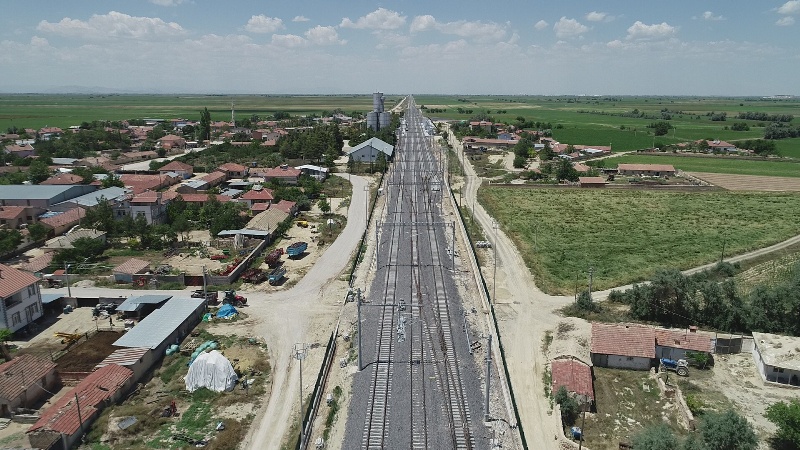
{"type": "Point", "coordinates": [693, 329]}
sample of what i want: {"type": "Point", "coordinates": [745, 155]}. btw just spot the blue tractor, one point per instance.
{"type": "Point", "coordinates": [680, 366]}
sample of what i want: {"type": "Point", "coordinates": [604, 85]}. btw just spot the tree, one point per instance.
{"type": "Point", "coordinates": [324, 206]}
{"type": "Point", "coordinates": [38, 232]}
{"type": "Point", "coordinates": [566, 171]}
{"type": "Point", "coordinates": [5, 336]}
{"type": "Point", "coordinates": [569, 406]}
{"type": "Point", "coordinates": [101, 217]}
{"type": "Point", "coordinates": [655, 437]}
{"type": "Point", "coordinates": [38, 171]}
{"type": "Point", "coordinates": [727, 431]}
{"type": "Point", "coordinates": [586, 303]}
{"type": "Point", "coordinates": [83, 249]}
{"type": "Point", "coordinates": [9, 240]}
{"type": "Point", "coordinates": [519, 161]}
{"type": "Point", "coordinates": [786, 416]}
{"type": "Point", "coordinates": [112, 181]}
{"type": "Point", "coordinates": [205, 125]}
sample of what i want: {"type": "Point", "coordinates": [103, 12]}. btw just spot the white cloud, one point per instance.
{"type": "Point", "coordinates": [656, 31]}
{"type": "Point", "coordinates": [320, 35]}
{"type": "Point", "coordinates": [785, 21]}
{"type": "Point", "coordinates": [596, 16]}
{"type": "Point", "coordinates": [113, 24]}
{"type": "Point", "coordinates": [380, 19]}
{"type": "Point", "coordinates": [264, 24]}
{"type": "Point", "coordinates": [37, 41]}
{"type": "Point", "coordinates": [708, 15]}
{"type": "Point", "coordinates": [423, 23]}
{"type": "Point", "coordinates": [790, 7]}
{"type": "Point", "coordinates": [167, 2]}
{"type": "Point", "coordinates": [541, 25]}
{"type": "Point", "coordinates": [569, 28]}
{"type": "Point", "coordinates": [300, 19]}
{"type": "Point", "coordinates": [392, 40]}
{"type": "Point", "coordinates": [289, 40]}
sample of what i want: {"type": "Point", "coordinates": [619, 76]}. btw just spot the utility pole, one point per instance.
{"type": "Point", "coordinates": [80, 418]}
{"type": "Point", "coordinates": [300, 352]}
{"type": "Point", "coordinates": [358, 307]}
{"type": "Point", "coordinates": [722, 256]}
{"type": "Point", "coordinates": [583, 420]}
{"type": "Point", "coordinates": [591, 273]}
{"type": "Point", "coordinates": [494, 277]}
{"type": "Point", "coordinates": [205, 288]}
{"type": "Point", "coordinates": [66, 273]}
{"type": "Point", "coordinates": [488, 360]}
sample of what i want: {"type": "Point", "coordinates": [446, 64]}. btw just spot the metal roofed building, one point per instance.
{"type": "Point", "coordinates": [368, 150]}
{"type": "Point", "coordinates": [165, 326]}
{"type": "Point", "coordinates": [92, 199]}
{"type": "Point", "coordinates": [43, 196]}
{"type": "Point", "coordinates": [777, 358]}
{"type": "Point", "coordinates": [137, 359]}
{"type": "Point", "coordinates": [320, 173]}
{"type": "Point", "coordinates": [140, 305]}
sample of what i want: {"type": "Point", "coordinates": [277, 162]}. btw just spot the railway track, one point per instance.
{"type": "Point", "coordinates": [415, 356]}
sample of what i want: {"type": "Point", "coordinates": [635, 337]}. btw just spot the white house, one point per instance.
{"type": "Point", "coordinates": [777, 358]}
{"type": "Point", "coordinates": [368, 151]}
{"type": "Point", "coordinates": [20, 299]}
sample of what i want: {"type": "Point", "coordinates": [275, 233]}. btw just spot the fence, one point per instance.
{"type": "Point", "coordinates": [319, 390]}
{"type": "Point", "coordinates": [362, 243]}
{"type": "Point", "coordinates": [485, 294]}
{"type": "Point", "coordinates": [217, 280]}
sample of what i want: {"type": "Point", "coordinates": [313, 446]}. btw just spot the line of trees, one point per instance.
{"type": "Point", "coordinates": [672, 298]}
{"type": "Point", "coordinates": [778, 130]}
{"type": "Point", "coordinates": [765, 117]}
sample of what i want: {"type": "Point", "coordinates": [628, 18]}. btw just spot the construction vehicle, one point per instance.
{"type": "Point", "coordinates": [302, 223]}
{"type": "Point", "coordinates": [680, 366]}
{"type": "Point", "coordinates": [234, 299]}
{"type": "Point", "coordinates": [68, 338]}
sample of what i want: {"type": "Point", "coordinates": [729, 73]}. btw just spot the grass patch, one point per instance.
{"type": "Point", "coordinates": [626, 235]}
{"type": "Point", "coordinates": [731, 165]}
{"type": "Point", "coordinates": [627, 401]}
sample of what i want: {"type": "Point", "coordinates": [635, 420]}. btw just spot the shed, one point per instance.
{"type": "Point", "coordinates": [648, 170]}
{"type": "Point", "coordinates": [673, 344]}
{"type": "Point", "coordinates": [318, 172]}
{"type": "Point", "coordinates": [623, 346]}
{"type": "Point", "coordinates": [592, 182]}
{"type": "Point", "coordinates": [143, 305]}
{"type": "Point", "coordinates": [165, 326]}
{"type": "Point", "coordinates": [63, 422]}
{"type": "Point", "coordinates": [124, 273]}
{"type": "Point", "coordinates": [777, 358]}
{"type": "Point", "coordinates": [575, 376]}
{"type": "Point", "coordinates": [138, 359]}
{"type": "Point", "coordinates": [24, 380]}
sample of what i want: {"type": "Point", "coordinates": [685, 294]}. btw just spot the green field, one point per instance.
{"type": "Point", "coordinates": [600, 124]}
{"type": "Point", "coordinates": [715, 165]}
{"type": "Point", "coordinates": [626, 235]}
{"type": "Point", "coordinates": [38, 110]}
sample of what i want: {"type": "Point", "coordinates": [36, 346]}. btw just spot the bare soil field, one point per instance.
{"type": "Point", "coordinates": [82, 357]}
{"type": "Point", "coordinates": [749, 182]}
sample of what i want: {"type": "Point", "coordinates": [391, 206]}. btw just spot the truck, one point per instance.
{"type": "Point", "coordinates": [296, 249]}
{"type": "Point", "coordinates": [276, 275]}
{"type": "Point", "coordinates": [274, 258]}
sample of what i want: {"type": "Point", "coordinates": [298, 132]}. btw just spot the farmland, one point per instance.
{"type": "Point", "coordinates": [730, 165]}
{"type": "Point", "coordinates": [39, 110]}
{"type": "Point", "coordinates": [625, 235]}
{"type": "Point", "coordinates": [606, 120]}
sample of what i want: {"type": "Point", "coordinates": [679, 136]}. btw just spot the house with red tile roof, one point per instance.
{"type": "Point", "coordinates": [623, 346]}
{"type": "Point", "coordinates": [171, 142]}
{"type": "Point", "coordinates": [254, 196]}
{"type": "Point", "coordinates": [575, 376]}
{"type": "Point", "coordinates": [150, 205]}
{"type": "Point", "coordinates": [20, 299]}
{"type": "Point", "coordinates": [673, 343]}
{"type": "Point", "coordinates": [14, 217]}
{"type": "Point", "coordinates": [20, 151]}
{"type": "Point", "coordinates": [214, 178]}
{"type": "Point", "coordinates": [127, 271]}
{"type": "Point", "coordinates": [195, 198]}
{"type": "Point", "coordinates": [234, 170]}
{"type": "Point", "coordinates": [69, 417]}
{"type": "Point", "coordinates": [63, 178]}
{"type": "Point", "coordinates": [284, 173]}
{"type": "Point", "coordinates": [287, 207]}
{"type": "Point", "coordinates": [62, 222]}
{"type": "Point", "coordinates": [48, 133]}
{"type": "Point", "coordinates": [23, 381]}
{"type": "Point", "coordinates": [181, 168]}
{"type": "Point", "coordinates": [139, 183]}
{"type": "Point", "coordinates": [592, 182]}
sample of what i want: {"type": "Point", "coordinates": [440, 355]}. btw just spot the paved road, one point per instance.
{"type": "Point", "coordinates": [145, 165]}
{"type": "Point", "coordinates": [283, 319]}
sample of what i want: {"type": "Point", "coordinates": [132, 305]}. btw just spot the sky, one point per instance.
{"type": "Point", "coordinates": [509, 47]}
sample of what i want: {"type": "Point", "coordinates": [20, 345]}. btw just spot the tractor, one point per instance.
{"type": "Point", "coordinates": [680, 366]}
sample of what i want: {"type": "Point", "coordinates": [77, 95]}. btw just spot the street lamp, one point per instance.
{"type": "Point", "coordinates": [300, 352]}
{"type": "Point", "coordinates": [66, 273]}
{"type": "Point", "coordinates": [494, 277]}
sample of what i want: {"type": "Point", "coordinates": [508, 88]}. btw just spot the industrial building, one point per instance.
{"type": "Point", "coordinates": [378, 118]}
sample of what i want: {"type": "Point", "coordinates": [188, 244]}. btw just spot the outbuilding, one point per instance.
{"type": "Point", "coordinates": [24, 380]}
{"type": "Point", "coordinates": [369, 150]}
{"type": "Point", "coordinates": [777, 358]}
{"type": "Point", "coordinates": [674, 344]}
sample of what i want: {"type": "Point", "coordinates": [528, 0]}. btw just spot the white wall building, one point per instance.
{"type": "Point", "coordinates": [777, 358]}
{"type": "Point", "coordinates": [20, 299]}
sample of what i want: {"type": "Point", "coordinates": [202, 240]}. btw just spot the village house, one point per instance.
{"type": "Point", "coordinates": [576, 377]}
{"type": "Point", "coordinates": [283, 173]}
{"type": "Point", "coordinates": [674, 344]}
{"type": "Point", "coordinates": [172, 142]}
{"type": "Point", "coordinates": [320, 173]}
{"type": "Point", "coordinates": [20, 151]}
{"type": "Point", "coordinates": [184, 170]}
{"type": "Point", "coordinates": [777, 358]}
{"type": "Point", "coordinates": [214, 178]}
{"type": "Point", "coordinates": [20, 299]}
{"type": "Point", "coordinates": [192, 186]}
{"type": "Point", "coordinates": [14, 217]}
{"type": "Point", "coordinates": [592, 182]}
{"type": "Point", "coordinates": [369, 150]}
{"type": "Point", "coordinates": [717, 146]}
{"type": "Point", "coordinates": [48, 133]}
{"type": "Point", "coordinates": [127, 271]}
{"type": "Point", "coordinates": [24, 380]}
{"type": "Point", "coordinates": [646, 170]}
{"type": "Point", "coordinates": [150, 205]}
{"type": "Point", "coordinates": [623, 346]}
{"type": "Point", "coordinates": [233, 170]}
{"type": "Point", "coordinates": [63, 179]}
{"type": "Point", "coordinates": [61, 222]}
{"type": "Point", "coordinates": [256, 195]}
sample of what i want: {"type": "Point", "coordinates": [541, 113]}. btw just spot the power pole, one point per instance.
{"type": "Point", "coordinates": [591, 274]}
{"type": "Point", "coordinates": [300, 352]}
{"type": "Point", "coordinates": [488, 376]}
{"type": "Point", "coordinates": [583, 421]}
{"type": "Point", "coordinates": [358, 303]}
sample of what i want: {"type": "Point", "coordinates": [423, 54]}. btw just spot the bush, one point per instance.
{"type": "Point", "coordinates": [569, 406]}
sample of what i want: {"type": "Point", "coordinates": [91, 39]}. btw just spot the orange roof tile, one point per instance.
{"type": "Point", "coordinates": [20, 373]}
{"type": "Point", "coordinates": [623, 340]}
{"type": "Point", "coordinates": [14, 280]}
{"type": "Point", "coordinates": [573, 375]}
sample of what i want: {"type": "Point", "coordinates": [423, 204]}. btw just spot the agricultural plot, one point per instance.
{"type": "Point", "coordinates": [731, 165]}
{"type": "Point", "coordinates": [626, 235]}
{"type": "Point", "coordinates": [749, 182]}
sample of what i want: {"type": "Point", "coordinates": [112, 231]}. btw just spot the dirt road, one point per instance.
{"type": "Point", "coordinates": [524, 313]}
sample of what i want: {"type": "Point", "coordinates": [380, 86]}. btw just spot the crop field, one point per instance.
{"type": "Point", "coordinates": [626, 235]}
{"type": "Point", "coordinates": [749, 182]}
{"type": "Point", "coordinates": [39, 110]}
{"type": "Point", "coordinates": [730, 165]}
{"type": "Point", "coordinates": [602, 120]}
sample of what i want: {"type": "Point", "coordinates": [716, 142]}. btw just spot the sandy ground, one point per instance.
{"type": "Point", "coordinates": [508, 161]}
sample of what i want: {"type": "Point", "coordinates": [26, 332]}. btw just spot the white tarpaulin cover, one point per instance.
{"type": "Point", "coordinates": [213, 371]}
